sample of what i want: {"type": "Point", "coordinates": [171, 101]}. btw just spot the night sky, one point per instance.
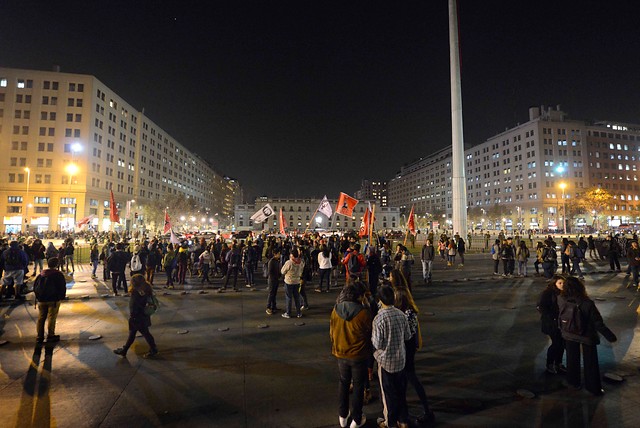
{"type": "Point", "coordinates": [302, 98]}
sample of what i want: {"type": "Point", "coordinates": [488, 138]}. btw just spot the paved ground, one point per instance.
{"type": "Point", "coordinates": [482, 344]}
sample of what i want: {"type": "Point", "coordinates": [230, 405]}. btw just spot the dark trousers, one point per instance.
{"type": "Point", "coordinates": [356, 371]}
{"type": "Point", "coordinates": [592, 381]}
{"type": "Point", "coordinates": [118, 279]}
{"type": "Point", "coordinates": [182, 273]}
{"type": "Point", "coordinates": [205, 273]}
{"type": "Point", "coordinates": [394, 396]}
{"type": "Point", "coordinates": [410, 371]}
{"type": "Point", "coordinates": [614, 261]}
{"type": "Point", "coordinates": [143, 328]}
{"type": "Point", "coordinates": [556, 349]}
{"type": "Point", "coordinates": [566, 266]}
{"type": "Point", "coordinates": [496, 265]}
{"type": "Point", "coordinates": [231, 270]}
{"type": "Point", "coordinates": [273, 292]}
{"type": "Point", "coordinates": [325, 274]}
{"type": "Point", "coordinates": [508, 266]}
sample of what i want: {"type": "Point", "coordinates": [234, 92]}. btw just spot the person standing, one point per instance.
{"type": "Point", "coordinates": [69, 251]}
{"type": "Point", "coordinates": [169, 265]}
{"type": "Point", "coordinates": [50, 288]}
{"type": "Point", "coordinates": [522, 254]}
{"type": "Point", "coordinates": [580, 322]}
{"type": "Point", "coordinates": [426, 257]}
{"type": "Point", "coordinates": [37, 249]}
{"type": "Point", "coordinates": [15, 261]}
{"type": "Point", "coordinates": [205, 260]}
{"type": "Point", "coordinates": [292, 271]}
{"type": "Point", "coordinates": [117, 263]}
{"type": "Point", "coordinates": [350, 332]}
{"type": "Point", "coordinates": [94, 255]}
{"type": "Point", "coordinates": [507, 254]}
{"type": "Point", "coordinates": [273, 280]}
{"type": "Point", "coordinates": [461, 249]}
{"type": "Point", "coordinates": [495, 255]}
{"type": "Point", "coordinates": [234, 260]}
{"type": "Point", "coordinates": [633, 255]}
{"type": "Point", "coordinates": [548, 308]}
{"type": "Point", "coordinates": [389, 334]}
{"type": "Point", "coordinates": [153, 260]}
{"type": "Point", "coordinates": [324, 269]}
{"type": "Point", "coordinates": [139, 321]}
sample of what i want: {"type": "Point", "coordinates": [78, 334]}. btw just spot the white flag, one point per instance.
{"type": "Point", "coordinates": [174, 239]}
{"type": "Point", "coordinates": [262, 214]}
{"type": "Point", "coordinates": [325, 207]}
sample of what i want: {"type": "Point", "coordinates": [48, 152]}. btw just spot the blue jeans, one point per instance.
{"type": "Point", "coordinates": [36, 263]}
{"type": "Point", "coordinates": [95, 263]}
{"type": "Point", "coordinates": [248, 273]}
{"type": "Point", "coordinates": [292, 290]}
{"type": "Point", "coordinates": [426, 269]}
{"type": "Point", "coordinates": [273, 292]}
{"type": "Point", "coordinates": [576, 267]}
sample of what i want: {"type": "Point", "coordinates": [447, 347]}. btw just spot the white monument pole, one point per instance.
{"type": "Point", "coordinates": [458, 184]}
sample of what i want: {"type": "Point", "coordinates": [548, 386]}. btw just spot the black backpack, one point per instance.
{"type": "Point", "coordinates": [549, 255]}
{"type": "Point", "coordinates": [43, 292]}
{"type": "Point", "coordinates": [13, 258]}
{"type": "Point", "coordinates": [354, 266]}
{"type": "Point", "coordinates": [570, 320]}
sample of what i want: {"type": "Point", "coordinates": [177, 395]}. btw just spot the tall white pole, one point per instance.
{"type": "Point", "coordinates": [458, 184]}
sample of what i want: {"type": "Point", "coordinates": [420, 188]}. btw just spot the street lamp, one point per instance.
{"type": "Point", "coordinates": [564, 208]}
{"type": "Point", "coordinates": [71, 169]}
{"type": "Point", "coordinates": [26, 214]}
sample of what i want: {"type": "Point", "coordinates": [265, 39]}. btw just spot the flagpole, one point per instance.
{"type": "Point", "coordinates": [312, 217]}
{"type": "Point", "coordinates": [373, 211]}
{"type": "Point", "coordinates": [407, 226]}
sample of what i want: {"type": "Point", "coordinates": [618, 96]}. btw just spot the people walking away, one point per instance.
{"type": "Point", "coordinates": [452, 249]}
{"type": "Point", "coordinates": [388, 337]}
{"type": "Point", "coordinates": [404, 301]}
{"type": "Point", "coordinates": [613, 254]}
{"type": "Point", "coordinates": [549, 260]}
{"type": "Point", "coordinates": [292, 271]}
{"type": "Point", "coordinates": [153, 260]}
{"type": "Point", "coordinates": [234, 261]}
{"type": "Point", "coordinates": [38, 252]}
{"type": "Point", "coordinates": [575, 254]}
{"type": "Point", "coordinates": [592, 248]}
{"type": "Point", "coordinates": [182, 258]}
{"type": "Point", "coordinates": [548, 308]}
{"type": "Point", "coordinates": [139, 319]}
{"type": "Point", "coordinates": [273, 280]}
{"type": "Point", "coordinates": [350, 332]}
{"type": "Point", "coordinates": [426, 257]}
{"type": "Point", "coordinates": [461, 249]}
{"type": "Point", "coordinates": [374, 269]}
{"type": "Point", "coordinates": [169, 265]}
{"type": "Point", "coordinates": [580, 322]}
{"type": "Point", "coordinates": [15, 261]}
{"type": "Point", "coordinates": [117, 263]}
{"type": "Point", "coordinates": [49, 288]}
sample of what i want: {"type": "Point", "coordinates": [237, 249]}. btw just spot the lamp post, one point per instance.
{"type": "Point", "coordinates": [71, 169]}
{"type": "Point", "coordinates": [26, 214]}
{"type": "Point", "coordinates": [564, 209]}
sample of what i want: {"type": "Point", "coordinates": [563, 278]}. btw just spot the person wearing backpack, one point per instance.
{"type": "Point", "coordinates": [549, 260]}
{"type": "Point", "coordinates": [548, 308]}
{"type": "Point", "coordinates": [580, 322]}
{"type": "Point", "coordinates": [15, 261]}
{"type": "Point", "coordinates": [50, 288]}
{"type": "Point", "coordinates": [575, 255]}
{"type": "Point", "coordinates": [495, 255]}
{"type": "Point", "coordinates": [139, 321]}
{"type": "Point", "coordinates": [354, 263]}
{"type": "Point", "coordinates": [136, 263]}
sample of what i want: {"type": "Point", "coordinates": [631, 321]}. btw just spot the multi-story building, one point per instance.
{"type": "Point", "coordinates": [300, 214]}
{"type": "Point", "coordinates": [373, 190]}
{"type": "Point", "coordinates": [531, 172]}
{"type": "Point", "coordinates": [70, 140]}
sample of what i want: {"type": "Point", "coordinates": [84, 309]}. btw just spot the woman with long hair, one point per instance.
{"type": "Point", "coordinates": [548, 308]}
{"type": "Point", "coordinates": [141, 292]}
{"type": "Point", "coordinates": [404, 301]}
{"type": "Point", "coordinates": [580, 322]}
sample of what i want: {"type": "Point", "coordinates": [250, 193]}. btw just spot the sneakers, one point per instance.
{"type": "Point", "coordinates": [317, 290]}
{"type": "Point", "coordinates": [285, 315]}
{"type": "Point", "coordinates": [304, 307]}
{"type": "Point", "coordinates": [248, 285]}
{"type": "Point", "coordinates": [344, 421]}
{"type": "Point", "coordinates": [355, 424]}
{"type": "Point", "coordinates": [299, 316]}
{"type": "Point", "coordinates": [151, 353]}
{"type": "Point", "coordinates": [120, 351]}
{"type": "Point", "coordinates": [269, 311]}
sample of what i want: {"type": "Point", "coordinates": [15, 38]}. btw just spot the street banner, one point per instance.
{"type": "Point", "coordinates": [113, 210]}
{"type": "Point", "coordinates": [411, 222]}
{"type": "Point", "coordinates": [262, 214]}
{"type": "Point", "coordinates": [85, 220]}
{"type": "Point", "coordinates": [346, 204]}
{"type": "Point", "coordinates": [364, 224]}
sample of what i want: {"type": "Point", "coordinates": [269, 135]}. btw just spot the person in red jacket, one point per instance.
{"type": "Point", "coordinates": [350, 331]}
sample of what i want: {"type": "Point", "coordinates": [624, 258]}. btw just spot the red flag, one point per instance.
{"type": "Point", "coordinates": [281, 218]}
{"type": "Point", "coordinates": [167, 222]}
{"type": "Point", "coordinates": [113, 210]}
{"type": "Point", "coordinates": [411, 223]}
{"type": "Point", "coordinates": [346, 204]}
{"type": "Point", "coordinates": [364, 225]}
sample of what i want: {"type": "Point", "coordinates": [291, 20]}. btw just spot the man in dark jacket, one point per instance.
{"type": "Point", "coordinates": [426, 257]}
{"type": "Point", "coordinates": [117, 263]}
{"type": "Point", "coordinates": [350, 332]}
{"type": "Point", "coordinates": [15, 262]}
{"type": "Point", "coordinates": [50, 288]}
{"type": "Point", "coordinates": [273, 280]}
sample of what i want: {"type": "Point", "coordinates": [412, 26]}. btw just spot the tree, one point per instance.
{"type": "Point", "coordinates": [176, 206]}
{"type": "Point", "coordinates": [597, 201]}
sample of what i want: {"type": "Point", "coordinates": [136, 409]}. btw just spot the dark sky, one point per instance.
{"type": "Point", "coordinates": [302, 98]}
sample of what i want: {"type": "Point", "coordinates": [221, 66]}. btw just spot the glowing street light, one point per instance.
{"type": "Point", "coordinates": [564, 208]}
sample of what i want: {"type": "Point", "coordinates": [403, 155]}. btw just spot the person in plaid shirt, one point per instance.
{"type": "Point", "coordinates": [390, 331]}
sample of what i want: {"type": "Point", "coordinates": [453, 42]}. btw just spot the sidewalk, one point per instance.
{"type": "Point", "coordinates": [482, 344]}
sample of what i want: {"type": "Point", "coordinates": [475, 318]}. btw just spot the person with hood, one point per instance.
{"type": "Point", "coordinates": [15, 261]}
{"type": "Point", "coordinates": [50, 288]}
{"type": "Point", "coordinates": [139, 321]}
{"type": "Point", "coordinates": [292, 271]}
{"type": "Point", "coordinates": [51, 251]}
{"type": "Point", "coordinates": [350, 333]}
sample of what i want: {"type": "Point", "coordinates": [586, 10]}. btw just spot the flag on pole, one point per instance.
{"type": "Point", "coordinates": [174, 239]}
{"type": "Point", "coordinates": [167, 222]}
{"type": "Point", "coordinates": [364, 224]}
{"type": "Point", "coordinates": [281, 219]}
{"type": "Point", "coordinates": [346, 204]}
{"type": "Point", "coordinates": [411, 222]}
{"type": "Point", "coordinates": [85, 220]}
{"type": "Point", "coordinates": [262, 214]}
{"type": "Point", "coordinates": [113, 210]}
{"type": "Point", "coordinates": [325, 207]}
